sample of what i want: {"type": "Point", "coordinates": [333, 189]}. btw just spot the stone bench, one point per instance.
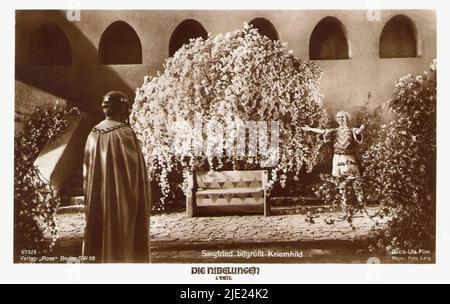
{"type": "Point", "coordinates": [227, 192]}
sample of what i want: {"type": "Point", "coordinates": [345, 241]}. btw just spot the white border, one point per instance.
{"type": "Point", "coordinates": [312, 273]}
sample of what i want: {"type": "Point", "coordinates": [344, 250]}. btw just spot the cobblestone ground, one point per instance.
{"type": "Point", "coordinates": [176, 238]}
{"type": "Point", "coordinates": [177, 228]}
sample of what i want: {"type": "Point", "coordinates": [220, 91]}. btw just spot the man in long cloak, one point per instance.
{"type": "Point", "coordinates": [116, 189]}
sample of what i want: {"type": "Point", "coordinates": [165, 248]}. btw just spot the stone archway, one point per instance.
{"type": "Point", "coordinates": [184, 32]}
{"type": "Point", "coordinates": [265, 28]}
{"type": "Point", "coordinates": [329, 40]}
{"type": "Point", "coordinates": [399, 38]}
{"type": "Point", "coordinates": [120, 44]}
{"type": "Point", "coordinates": [49, 46]}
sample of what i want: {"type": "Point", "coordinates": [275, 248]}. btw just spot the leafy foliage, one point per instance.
{"type": "Point", "coordinates": [401, 165]}
{"type": "Point", "coordinates": [35, 201]}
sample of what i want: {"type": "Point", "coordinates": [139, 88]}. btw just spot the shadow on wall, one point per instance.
{"type": "Point", "coordinates": [55, 60]}
{"type": "Point", "coordinates": [44, 63]}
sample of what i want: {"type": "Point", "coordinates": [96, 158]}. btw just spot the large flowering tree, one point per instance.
{"type": "Point", "coordinates": [240, 76]}
{"type": "Point", "coordinates": [400, 168]}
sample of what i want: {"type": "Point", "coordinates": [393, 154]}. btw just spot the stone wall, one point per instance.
{"type": "Point", "coordinates": [345, 84]}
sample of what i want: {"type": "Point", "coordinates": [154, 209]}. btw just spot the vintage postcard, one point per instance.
{"type": "Point", "coordinates": [225, 136]}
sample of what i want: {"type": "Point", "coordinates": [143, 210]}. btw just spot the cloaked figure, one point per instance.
{"type": "Point", "coordinates": [116, 189]}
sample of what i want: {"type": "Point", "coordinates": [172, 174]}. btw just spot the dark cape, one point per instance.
{"type": "Point", "coordinates": [116, 196]}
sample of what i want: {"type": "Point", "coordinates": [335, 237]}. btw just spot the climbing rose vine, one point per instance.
{"type": "Point", "coordinates": [239, 76]}
{"type": "Point", "coordinates": [400, 168]}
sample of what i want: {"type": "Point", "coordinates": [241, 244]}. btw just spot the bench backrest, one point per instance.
{"type": "Point", "coordinates": [231, 179]}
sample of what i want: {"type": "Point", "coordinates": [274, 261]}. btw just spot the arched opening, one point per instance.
{"type": "Point", "coordinates": [329, 40]}
{"type": "Point", "coordinates": [399, 38]}
{"type": "Point", "coordinates": [265, 28]}
{"type": "Point", "coordinates": [49, 47]}
{"type": "Point", "coordinates": [120, 44]}
{"type": "Point", "coordinates": [184, 32]}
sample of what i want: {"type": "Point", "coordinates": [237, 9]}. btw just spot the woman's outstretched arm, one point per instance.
{"type": "Point", "coordinates": [314, 130]}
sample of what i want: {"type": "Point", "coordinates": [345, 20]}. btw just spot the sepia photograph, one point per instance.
{"type": "Point", "coordinates": [225, 136]}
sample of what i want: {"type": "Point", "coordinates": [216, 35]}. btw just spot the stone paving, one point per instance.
{"type": "Point", "coordinates": [178, 239]}
{"type": "Point", "coordinates": [177, 229]}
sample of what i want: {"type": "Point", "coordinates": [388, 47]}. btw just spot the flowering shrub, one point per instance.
{"type": "Point", "coordinates": [327, 190]}
{"type": "Point", "coordinates": [35, 202]}
{"type": "Point", "coordinates": [240, 76]}
{"type": "Point", "coordinates": [345, 191]}
{"type": "Point", "coordinates": [401, 165]}
{"type": "Point", "coordinates": [373, 119]}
